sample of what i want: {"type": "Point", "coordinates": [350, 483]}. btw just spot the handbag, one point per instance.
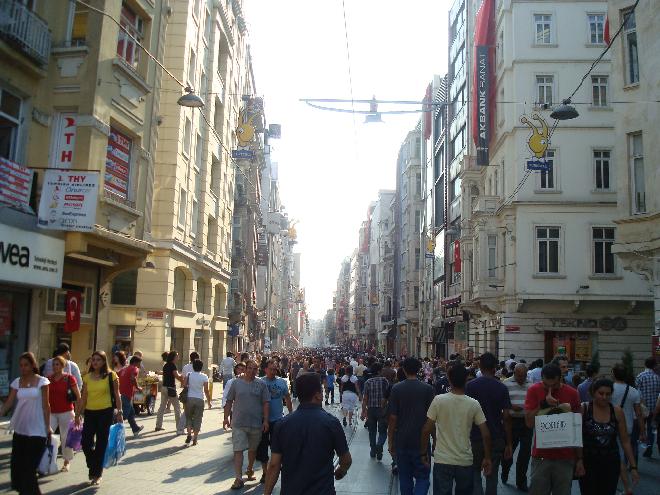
{"type": "Point", "coordinates": [183, 395]}
{"type": "Point", "coordinates": [70, 394]}
{"type": "Point", "coordinates": [48, 462]}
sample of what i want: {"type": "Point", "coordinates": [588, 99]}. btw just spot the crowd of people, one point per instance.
{"type": "Point", "coordinates": [460, 423]}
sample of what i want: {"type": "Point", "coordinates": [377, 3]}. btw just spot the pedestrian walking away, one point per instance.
{"type": "Point", "coordinates": [99, 406]}
{"type": "Point", "coordinates": [349, 388]}
{"type": "Point", "coordinates": [304, 445]}
{"type": "Point", "coordinates": [409, 402]}
{"type": "Point", "coordinates": [63, 395]}
{"type": "Point", "coordinates": [28, 394]}
{"type": "Point", "coordinates": [374, 410]}
{"type": "Point", "coordinates": [197, 385]}
{"type": "Point", "coordinates": [227, 368]}
{"type": "Point", "coordinates": [248, 408]}
{"type": "Point", "coordinates": [452, 415]}
{"type": "Point", "coordinates": [648, 384]}
{"type": "Point", "coordinates": [127, 386]}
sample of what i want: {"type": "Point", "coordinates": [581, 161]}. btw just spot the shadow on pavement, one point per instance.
{"type": "Point", "coordinates": [149, 456]}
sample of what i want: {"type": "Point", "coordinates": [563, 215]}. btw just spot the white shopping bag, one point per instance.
{"type": "Point", "coordinates": [48, 463]}
{"type": "Point", "coordinates": [555, 431]}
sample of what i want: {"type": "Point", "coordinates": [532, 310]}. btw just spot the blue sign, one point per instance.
{"type": "Point", "coordinates": [242, 154]}
{"type": "Point", "coordinates": [429, 256]}
{"type": "Point", "coordinates": [234, 330]}
{"type": "Point", "coordinates": [538, 165]}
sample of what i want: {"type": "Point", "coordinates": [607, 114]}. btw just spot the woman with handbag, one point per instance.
{"type": "Point", "coordinates": [197, 385]}
{"type": "Point", "coordinates": [168, 391]}
{"type": "Point", "coordinates": [101, 406]}
{"type": "Point", "coordinates": [63, 395]}
{"type": "Point", "coordinates": [602, 425]}
{"type": "Point", "coordinates": [30, 422]}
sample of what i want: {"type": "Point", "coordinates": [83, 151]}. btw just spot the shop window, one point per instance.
{"type": "Point", "coordinates": [56, 302]}
{"type": "Point", "coordinates": [124, 288]}
{"type": "Point", "coordinates": [133, 28]}
{"type": "Point", "coordinates": [10, 123]}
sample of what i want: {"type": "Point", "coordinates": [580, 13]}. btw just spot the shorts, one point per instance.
{"type": "Point", "coordinates": [243, 438]}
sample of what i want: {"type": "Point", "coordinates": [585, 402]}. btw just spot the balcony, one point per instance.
{"type": "Point", "coordinates": [484, 205]}
{"type": "Point", "coordinates": [23, 29]}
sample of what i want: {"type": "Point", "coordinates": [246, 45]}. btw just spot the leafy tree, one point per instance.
{"type": "Point", "coordinates": [627, 360]}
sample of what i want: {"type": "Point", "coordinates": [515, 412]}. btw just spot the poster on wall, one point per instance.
{"type": "Point", "coordinates": [118, 164]}
{"type": "Point", "coordinates": [582, 347]}
{"type": "Point", "coordinates": [15, 185]}
{"type": "Point", "coordinates": [68, 200]}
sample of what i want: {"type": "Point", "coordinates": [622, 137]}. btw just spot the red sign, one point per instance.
{"type": "Point", "coordinates": [118, 163]}
{"type": "Point", "coordinates": [512, 328]}
{"type": "Point", "coordinates": [457, 256]}
{"type": "Point", "coordinates": [15, 184]}
{"type": "Point", "coordinates": [5, 316]}
{"type": "Point", "coordinates": [72, 305]}
{"type": "Point", "coordinates": [155, 315]}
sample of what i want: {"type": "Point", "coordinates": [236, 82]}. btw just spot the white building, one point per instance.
{"type": "Point", "coordinates": [539, 276]}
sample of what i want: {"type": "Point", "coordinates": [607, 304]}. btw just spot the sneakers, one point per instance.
{"type": "Point", "coordinates": [344, 421]}
{"type": "Point", "coordinates": [372, 453]}
{"type": "Point", "coordinates": [379, 453]}
{"type": "Point", "coordinates": [137, 433]}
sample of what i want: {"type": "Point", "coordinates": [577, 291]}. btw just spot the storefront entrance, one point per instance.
{"type": "Point", "coordinates": [14, 317]}
{"type": "Point", "coordinates": [578, 347]}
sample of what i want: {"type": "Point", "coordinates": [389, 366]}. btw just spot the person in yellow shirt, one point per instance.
{"type": "Point", "coordinates": [99, 405]}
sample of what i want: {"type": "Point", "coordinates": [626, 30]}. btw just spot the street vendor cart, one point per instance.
{"type": "Point", "coordinates": [145, 401]}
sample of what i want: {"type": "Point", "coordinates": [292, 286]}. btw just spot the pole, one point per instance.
{"type": "Point", "coordinates": [98, 301]}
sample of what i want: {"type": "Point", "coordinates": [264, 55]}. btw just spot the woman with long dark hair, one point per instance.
{"type": "Point", "coordinates": [63, 395]}
{"type": "Point", "coordinates": [101, 406]}
{"type": "Point", "coordinates": [168, 391]}
{"type": "Point", "coordinates": [349, 387]}
{"type": "Point", "coordinates": [30, 422]}
{"type": "Point", "coordinates": [602, 425]}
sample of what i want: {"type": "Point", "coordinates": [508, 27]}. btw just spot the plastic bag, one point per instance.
{"type": "Point", "coordinates": [48, 462]}
{"type": "Point", "coordinates": [116, 445]}
{"type": "Point", "coordinates": [74, 436]}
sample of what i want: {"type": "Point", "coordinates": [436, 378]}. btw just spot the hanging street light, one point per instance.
{"type": "Point", "coordinates": [190, 99]}
{"type": "Point", "coordinates": [565, 111]}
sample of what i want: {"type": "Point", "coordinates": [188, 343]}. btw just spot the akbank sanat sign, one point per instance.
{"type": "Point", "coordinates": [30, 258]}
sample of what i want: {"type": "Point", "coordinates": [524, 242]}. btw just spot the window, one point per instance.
{"type": "Point", "coordinates": [192, 61]}
{"type": "Point", "coordinates": [492, 255]}
{"type": "Point", "coordinates": [126, 47]}
{"type": "Point", "coordinates": [602, 169]}
{"type": "Point", "coordinates": [418, 184]}
{"type": "Point", "coordinates": [499, 49]}
{"type": "Point", "coordinates": [124, 288]}
{"type": "Point", "coordinates": [10, 121]}
{"type": "Point", "coordinates": [418, 216]}
{"type": "Point", "coordinates": [215, 177]}
{"type": "Point", "coordinates": [596, 28]}
{"type": "Point", "coordinates": [630, 46]}
{"type": "Point", "coordinates": [416, 296]}
{"type": "Point", "coordinates": [417, 254]}
{"type": "Point", "coordinates": [548, 178]}
{"type": "Point", "coordinates": [439, 207]}
{"type": "Point", "coordinates": [183, 202]}
{"type": "Point", "coordinates": [212, 235]}
{"type": "Point", "coordinates": [637, 171]}
{"type": "Point", "coordinates": [599, 91]}
{"type": "Point", "coordinates": [203, 298]}
{"type": "Point", "coordinates": [496, 184]}
{"type": "Point", "coordinates": [544, 89]}
{"type": "Point", "coordinates": [57, 299]}
{"type": "Point", "coordinates": [454, 189]}
{"type": "Point", "coordinates": [603, 239]}
{"type": "Point", "coordinates": [457, 144]}
{"type": "Point", "coordinates": [199, 151]}
{"type": "Point", "coordinates": [180, 288]}
{"type": "Point", "coordinates": [195, 218]}
{"type": "Point", "coordinates": [543, 29]}
{"type": "Point", "coordinates": [208, 25]}
{"type": "Point", "coordinates": [78, 35]}
{"type": "Point", "coordinates": [547, 245]}
{"type": "Point", "coordinates": [187, 137]}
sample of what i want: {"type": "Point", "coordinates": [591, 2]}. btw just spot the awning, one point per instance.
{"type": "Point", "coordinates": [452, 301]}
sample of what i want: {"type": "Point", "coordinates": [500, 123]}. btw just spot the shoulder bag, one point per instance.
{"type": "Point", "coordinates": [70, 394]}
{"type": "Point", "coordinates": [183, 395]}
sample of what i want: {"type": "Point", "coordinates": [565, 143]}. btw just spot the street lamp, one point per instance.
{"type": "Point", "coordinates": [565, 111]}
{"type": "Point", "coordinates": [190, 99]}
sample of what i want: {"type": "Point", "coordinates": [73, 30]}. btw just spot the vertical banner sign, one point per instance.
{"type": "Point", "coordinates": [68, 200]}
{"type": "Point", "coordinates": [457, 256]}
{"type": "Point", "coordinates": [483, 107]}
{"type": "Point", "coordinates": [64, 141]}
{"type": "Point", "coordinates": [118, 164]}
{"type": "Point", "coordinates": [15, 185]}
{"type": "Point", "coordinates": [483, 89]}
{"type": "Point", "coordinates": [72, 315]}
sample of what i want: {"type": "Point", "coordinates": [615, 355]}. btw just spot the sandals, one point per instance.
{"type": "Point", "coordinates": [65, 469]}
{"type": "Point", "coordinates": [238, 484]}
{"type": "Point", "coordinates": [250, 474]}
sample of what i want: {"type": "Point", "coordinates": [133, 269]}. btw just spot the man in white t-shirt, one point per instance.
{"type": "Point", "coordinates": [188, 368]}
{"type": "Point", "coordinates": [70, 367]}
{"type": "Point", "coordinates": [227, 368]}
{"type": "Point", "coordinates": [239, 369]}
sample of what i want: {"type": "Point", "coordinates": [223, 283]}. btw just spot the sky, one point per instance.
{"type": "Point", "coordinates": [331, 165]}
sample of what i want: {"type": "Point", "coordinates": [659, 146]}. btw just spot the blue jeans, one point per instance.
{"type": "Point", "coordinates": [445, 475]}
{"type": "Point", "coordinates": [128, 412]}
{"type": "Point", "coordinates": [376, 420]}
{"type": "Point", "coordinates": [414, 476]}
{"type": "Point", "coordinates": [497, 452]}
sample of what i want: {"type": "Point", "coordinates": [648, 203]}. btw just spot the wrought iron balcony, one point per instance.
{"type": "Point", "coordinates": [26, 31]}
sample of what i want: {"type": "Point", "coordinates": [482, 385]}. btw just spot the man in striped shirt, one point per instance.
{"type": "Point", "coordinates": [521, 434]}
{"type": "Point", "coordinates": [374, 410]}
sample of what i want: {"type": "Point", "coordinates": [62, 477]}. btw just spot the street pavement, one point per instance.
{"type": "Point", "coordinates": [159, 463]}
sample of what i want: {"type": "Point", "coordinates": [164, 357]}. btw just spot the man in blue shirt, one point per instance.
{"type": "Point", "coordinates": [304, 443]}
{"type": "Point", "coordinates": [279, 393]}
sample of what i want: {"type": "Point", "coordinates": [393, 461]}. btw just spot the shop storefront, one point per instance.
{"type": "Point", "coordinates": [29, 261]}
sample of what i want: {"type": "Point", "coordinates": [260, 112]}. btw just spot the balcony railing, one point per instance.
{"type": "Point", "coordinates": [22, 28]}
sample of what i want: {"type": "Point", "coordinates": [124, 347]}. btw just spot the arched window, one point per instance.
{"type": "Point", "coordinates": [203, 296]}
{"type": "Point", "coordinates": [180, 282]}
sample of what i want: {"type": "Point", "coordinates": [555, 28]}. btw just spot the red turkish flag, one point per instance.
{"type": "Point", "coordinates": [72, 311]}
{"type": "Point", "coordinates": [606, 34]}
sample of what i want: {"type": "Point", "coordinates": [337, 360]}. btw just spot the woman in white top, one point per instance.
{"type": "Point", "coordinates": [349, 387]}
{"type": "Point", "coordinates": [30, 422]}
{"type": "Point", "coordinates": [198, 387]}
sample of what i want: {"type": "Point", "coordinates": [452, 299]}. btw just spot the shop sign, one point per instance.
{"type": "Point", "coordinates": [118, 163]}
{"type": "Point", "coordinates": [64, 141]}
{"type": "Point", "coordinates": [30, 258]}
{"type": "Point", "coordinates": [512, 328]}
{"type": "Point", "coordinates": [68, 201]}
{"type": "Point", "coordinates": [155, 315]}
{"type": "Point", "coordinates": [618, 323]}
{"type": "Point", "coordinates": [15, 185]}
